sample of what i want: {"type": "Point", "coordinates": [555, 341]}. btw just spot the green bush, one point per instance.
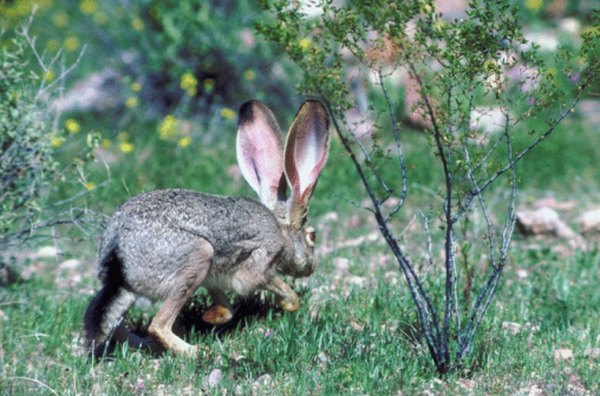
{"type": "Point", "coordinates": [190, 55]}
{"type": "Point", "coordinates": [203, 52]}
{"type": "Point", "coordinates": [30, 137]}
{"type": "Point", "coordinates": [26, 160]}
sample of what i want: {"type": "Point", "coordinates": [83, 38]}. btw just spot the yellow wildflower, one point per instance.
{"type": "Point", "coordinates": [137, 24]}
{"type": "Point", "coordinates": [126, 147]}
{"type": "Point", "coordinates": [249, 75]}
{"type": "Point", "coordinates": [189, 83]}
{"type": "Point", "coordinates": [136, 86]}
{"type": "Point", "coordinates": [534, 5]}
{"type": "Point", "coordinates": [60, 19]}
{"type": "Point", "coordinates": [168, 128]}
{"type": "Point", "coordinates": [131, 102]}
{"type": "Point", "coordinates": [88, 6]}
{"type": "Point", "coordinates": [89, 185]}
{"type": "Point", "coordinates": [305, 43]}
{"type": "Point", "coordinates": [105, 143]}
{"type": "Point", "coordinates": [49, 76]}
{"type": "Point", "coordinates": [71, 43]}
{"type": "Point", "coordinates": [184, 141]}
{"type": "Point", "coordinates": [72, 126]}
{"type": "Point", "coordinates": [227, 113]}
{"type": "Point", "coordinates": [56, 142]}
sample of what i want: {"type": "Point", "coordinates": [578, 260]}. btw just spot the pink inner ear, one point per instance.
{"type": "Point", "coordinates": [310, 157]}
{"type": "Point", "coordinates": [259, 151]}
{"type": "Point", "coordinates": [306, 150]}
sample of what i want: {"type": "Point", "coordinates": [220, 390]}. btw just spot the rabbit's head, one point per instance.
{"type": "Point", "coordinates": [270, 168]}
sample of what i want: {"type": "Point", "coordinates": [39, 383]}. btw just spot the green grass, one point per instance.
{"type": "Point", "coordinates": [359, 341]}
{"type": "Point", "coordinates": [356, 332]}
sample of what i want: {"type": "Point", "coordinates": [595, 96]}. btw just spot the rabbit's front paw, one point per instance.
{"type": "Point", "coordinates": [290, 305]}
{"type": "Point", "coordinates": [217, 314]}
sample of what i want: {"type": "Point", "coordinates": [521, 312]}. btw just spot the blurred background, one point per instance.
{"type": "Point", "coordinates": [144, 95]}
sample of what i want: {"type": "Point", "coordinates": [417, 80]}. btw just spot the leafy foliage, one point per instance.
{"type": "Point", "coordinates": [29, 138]}
{"type": "Point", "coordinates": [26, 157]}
{"type": "Point", "coordinates": [457, 66]}
{"type": "Point", "coordinates": [191, 54]}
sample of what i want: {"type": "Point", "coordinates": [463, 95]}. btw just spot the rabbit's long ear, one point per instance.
{"type": "Point", "coordinates": [259, 151]}
{"type": "Point", "coordinates": [305, 155]}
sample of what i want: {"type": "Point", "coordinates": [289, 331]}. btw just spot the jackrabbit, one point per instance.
{"type": "Point", "coordinates": [165, 244]}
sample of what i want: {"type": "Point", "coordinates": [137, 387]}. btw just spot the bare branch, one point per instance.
{"type": "Point", "coordinates": [399, 148]}
{"type": "Point", "coordinates": [483, 186]}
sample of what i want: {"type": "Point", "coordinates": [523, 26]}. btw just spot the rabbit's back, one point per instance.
{"type": "Point", "coordinates": [156, 234]}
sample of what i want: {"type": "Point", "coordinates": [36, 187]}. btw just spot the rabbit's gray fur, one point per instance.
{"type": "Point", "coordinates": [151, 238]}
{"type": "Point", "coordinates": [165, 244]}
{"type": "Point", "coordinates": [161, 228]}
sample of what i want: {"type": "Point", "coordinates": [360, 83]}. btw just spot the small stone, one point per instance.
{"type": "Point", "coordinates": [358, 281]}
{"type": "Point", "coordinates": [391, 277]}
{"type": "Point", "coordinates": [239, 390]}
{"type": "Point", "coordinates": [323, 358]}
{"type": "Point", "coordinates": [590, 111]}
{"type": "Point", "coordinates": [69, 264]}
{"type": "Point", "coordinates": [589, 221]}
{"type": "Point", "coordinates": [546, 221]}
{"type": "Point", "coordinates": [593, 353]}
{"type": "Point", "coordinates": [467, 384]}
{"type": "Point", "coordinates": [531, 390]}
{"type": "Point", "coordinates": [214, 378]}
{"type": "Point", "coordinates": [143, 303]}
{"type": "Point", "coordinates": [48, 252]}
{"type": "Point", "coordinates": [522, 273]}
{"type": "Point", "coordinates": [537, 222]}
{"type": "Point", "coordinates": [355, 220]}
{"type": "Point", "coordinates": [490, 120]}
{"type": "Point", "coordinates": [571, 26]}
{"type": "Point", "coordinates": [563, 354]}
{"type": "Point", "coordinates": [357, 326]}
{"type": "Point", "coordinates": [554, 204]}
{"type": "Point", "coordinates": [547, 40]}
{"type": "Point", "coordinates": [527, 78]}
{"type": "Point", "coordinates": [262, 381]}
{"type": "Point", "coordinates": [331, 216]}
{"type": "Point", "coordinates": [511, 327]}
{"type": "Point", "coordinates": [100, 91]}
{"type": "Point", "coordinates": [532, 328]}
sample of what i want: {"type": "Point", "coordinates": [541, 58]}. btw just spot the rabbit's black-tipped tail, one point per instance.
{"type": "Point", "coordinates": [106, 309]}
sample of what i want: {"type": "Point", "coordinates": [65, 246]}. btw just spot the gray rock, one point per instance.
{"type": "Point", "coordinates": [589, 222]}
{"type": "Point", "coordinates": [214, 378]}
{"type": "Point", "coordinates": [100, 91]}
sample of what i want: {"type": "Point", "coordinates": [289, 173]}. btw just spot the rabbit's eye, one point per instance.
{"type": "Point", "coordinates": [310, 236]}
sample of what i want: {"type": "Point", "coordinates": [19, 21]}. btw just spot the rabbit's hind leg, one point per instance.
{"type": "Point", "coordinates": [287, 297]}
{"type": "Point", "coordinates": [188, 279]}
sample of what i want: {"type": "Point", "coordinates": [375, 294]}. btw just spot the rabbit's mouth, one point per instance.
{"type": "Point", "coordinates": [306, 268]}
{"type": "Point", "coordinates": [299, 269]}
{"type": "Point", "coordinates": [306, 272]}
